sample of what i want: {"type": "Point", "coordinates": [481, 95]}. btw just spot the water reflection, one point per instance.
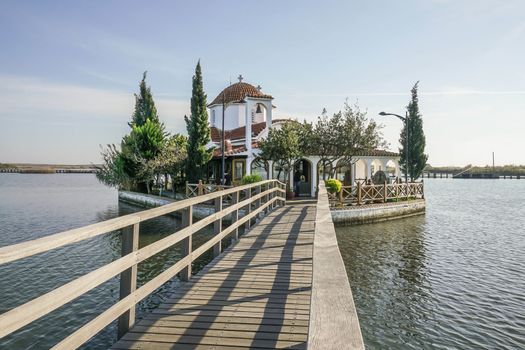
{"type": "Point", "coordinates": [451, 279]}
{"type": "Point", "coordinates": [57, 203]}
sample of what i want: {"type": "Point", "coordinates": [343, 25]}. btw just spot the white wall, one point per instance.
{"type": "Point", "coordinates": [233, 118]}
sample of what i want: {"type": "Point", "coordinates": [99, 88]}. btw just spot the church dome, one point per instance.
{"type": "Point", "coordinates": [237, 92]}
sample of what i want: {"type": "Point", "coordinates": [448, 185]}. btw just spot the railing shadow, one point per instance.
{"type": "Point", "coordinates": [226, 288]}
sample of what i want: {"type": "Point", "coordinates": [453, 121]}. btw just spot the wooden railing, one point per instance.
{"type": "Point", "coordinates": [367, 194]}
{"type": "Point", "coordinates": [258, 198]}
{"type": "Point", "coordinates": [199, 189]}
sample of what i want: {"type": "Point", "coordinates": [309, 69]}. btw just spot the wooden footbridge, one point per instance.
{"type": "Point", "coordinates": [282, 284]}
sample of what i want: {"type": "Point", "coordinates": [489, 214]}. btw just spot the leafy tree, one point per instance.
{"type": "Point", "coordinates": [172, 159]}
{"type": "Point", "coordinates": [324, 139]}
{"type": "Point", "coordinates": [135, 166]}
{"type": "Point", "coordinates": [140, 149]}
{"type": "Point", "coordinates": [344, 135]}
{"type": "Point", "coordinates": [144, 105]}
{"type": "Point", "coordinates": [112, 172]}
{"type": "Point", "coordinates": [198, 129]}
{"type": "Point", "coordinates": [417, 159]}
{"type": "Point", "coordinates": [357, 133]}
{"type": "Point", "coordinates": [284, 145]}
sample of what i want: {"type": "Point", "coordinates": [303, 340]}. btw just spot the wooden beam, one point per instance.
{"type": "Point", "coordinates": [333, 320]}
{"type": "Point", "coordinates": [187, 220]}
{"type": "Point", "coordinates": [217, 226]}
{"type": "Point", "coordinates": [128, 278]}
{"type": "Point", "coordinates": [40, 245]}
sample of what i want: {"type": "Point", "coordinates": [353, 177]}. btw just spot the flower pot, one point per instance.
{"type": "Point", "coordinates": [290, 195]}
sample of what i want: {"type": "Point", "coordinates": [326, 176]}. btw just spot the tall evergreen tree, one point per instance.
{"type": "Point", "coordinates": [145, 141]}
{"type": "Point", "coordinates": [144, 106]}
{"type": "Point", "coordinates": [417, 159]}
{"type": "Point", "coordinates": [198, 129]}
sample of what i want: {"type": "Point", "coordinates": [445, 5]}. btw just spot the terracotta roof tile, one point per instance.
{"type": "Point", "coordinates": [376, 153]}
{"type": "Point", "coordinates": [238, 133]}
{"type": "Point", "coordinates": [237, 92]}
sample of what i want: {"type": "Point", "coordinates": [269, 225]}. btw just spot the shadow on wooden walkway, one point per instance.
{"type": "Point", "coordinates": [255, 295]}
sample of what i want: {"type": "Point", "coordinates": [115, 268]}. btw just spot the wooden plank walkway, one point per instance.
{"type": "Point", "coordinates": [255, 295]}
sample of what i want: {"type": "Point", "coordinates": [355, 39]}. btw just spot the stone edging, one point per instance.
{"type": "Point", "coordinates": [377, 212]}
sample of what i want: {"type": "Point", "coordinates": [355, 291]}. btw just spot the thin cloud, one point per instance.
{"type": "Point", "coordinates": [27, 98]}
{"type": "Point", "coordinates": [406, 93]}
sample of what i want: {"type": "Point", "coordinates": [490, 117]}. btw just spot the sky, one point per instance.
{"type": "Point", "coordinates": [69, 69]}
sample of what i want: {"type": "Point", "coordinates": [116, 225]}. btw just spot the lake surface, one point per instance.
{"type": "Point", "coordinates": [34, 205]}
{"type": "Point", "coordinates": [451, 279]}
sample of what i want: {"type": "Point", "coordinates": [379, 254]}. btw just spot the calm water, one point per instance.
{"type": "Point", "coordinates": [452, 279]}
{"type": "Point", "coordinates": [33, 206]}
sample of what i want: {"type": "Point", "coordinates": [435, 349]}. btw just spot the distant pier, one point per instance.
{"type": "Point", "coordinates": [48, 171]}
{"type": "Point", "coordinates": [471, 175]}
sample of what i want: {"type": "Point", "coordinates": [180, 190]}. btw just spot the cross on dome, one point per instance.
{"type": "Point", "coordinates": [240, 78]}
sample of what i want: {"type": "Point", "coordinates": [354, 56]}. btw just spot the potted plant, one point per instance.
{"type": "Point", "coordinates": [333, 185]}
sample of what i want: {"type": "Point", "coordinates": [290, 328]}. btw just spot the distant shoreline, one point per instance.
{"type": "Point", "coordinates": [29, 168]}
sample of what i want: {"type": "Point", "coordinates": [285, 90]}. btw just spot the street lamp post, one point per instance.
{"type": "Point", "coordinates": [405, 121]}
{"type": "Point", "coordinates": [223, 161]}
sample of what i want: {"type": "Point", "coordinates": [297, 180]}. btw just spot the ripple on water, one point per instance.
{"type": "Point", "coordinates": [33, 206]}
{"type": "Point", "coordinates": [451, 279]}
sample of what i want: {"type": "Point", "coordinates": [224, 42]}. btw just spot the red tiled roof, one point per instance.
{"type": "Point", "coordinates": [376, 153]}
{"type": "Point", "coordinates": [235, 150]}
{"type": "Point", "coordinates": [237, 92]}
{"type": "Point", "coordinates": [240, 133]}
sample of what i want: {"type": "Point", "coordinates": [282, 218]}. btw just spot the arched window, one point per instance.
{"type": "Point", "coordinates": [260, 167]}
{"type": "Point", "coordinates": [279, 171]}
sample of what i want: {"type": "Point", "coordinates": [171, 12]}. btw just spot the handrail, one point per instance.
{"type": "Point", "coordinates": [41, 245]}
{"type": "Point", "coordinates": [333, 322]}
{"type": "Point", "coordinates": [201, 188]}
{"type": "Point", "coordinates": [367, 194]}
{"type": "Point", "coordinates": [24, 314]}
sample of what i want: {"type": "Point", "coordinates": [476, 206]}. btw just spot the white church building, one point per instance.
{"type": "Point", "coordinates": [248, 115]}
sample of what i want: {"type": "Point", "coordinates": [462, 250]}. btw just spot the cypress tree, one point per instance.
{"type": "Point", "coordinates": [198, 129]}
{"type": "Point", "coordinates": [144, 106]}
{"type": "Point", "coordinates": [417, 158]}
{"type": "Point", "coordinates": [145, 141]}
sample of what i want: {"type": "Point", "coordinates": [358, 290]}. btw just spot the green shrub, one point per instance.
{"type": "Point", "coordinates": [333, 185]}
{"type": "Point", "coordinates": [250, 179]}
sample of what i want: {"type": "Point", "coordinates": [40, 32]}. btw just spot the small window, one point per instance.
{"type": "Point", "coordinates": [238, 169]}
{"type": "Point", "coordinates": [213, 117]}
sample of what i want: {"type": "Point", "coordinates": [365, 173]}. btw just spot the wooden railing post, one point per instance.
{"type": "Point", "coordinates": [248, 208]}
{"type": "Point", "coordinates": [187, 220]}
{"type": "Point", "coordinates": [384, 192]}
{"type": "Point", "coordinates": [359, 193]}
{"type": "Point", "coordinates": [217, 226]}
{"type": "Point", "coordinates": [270, 196]}
{"type": "Point", "coordinates": [200, 188]}
{"type": "Point", "coordinates": [258, 201]}
{"type": "Point", "coordinates": [235, 215]}
{"type": "Point", "coordinates": [267, 198]}
{"type": "Point", "coordinates": [128, 278]}
{"type": "Point", "coordinates": [341, 196]}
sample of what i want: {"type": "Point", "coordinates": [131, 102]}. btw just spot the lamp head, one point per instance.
{"type": "Point", "coordinates": [382, 113]}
